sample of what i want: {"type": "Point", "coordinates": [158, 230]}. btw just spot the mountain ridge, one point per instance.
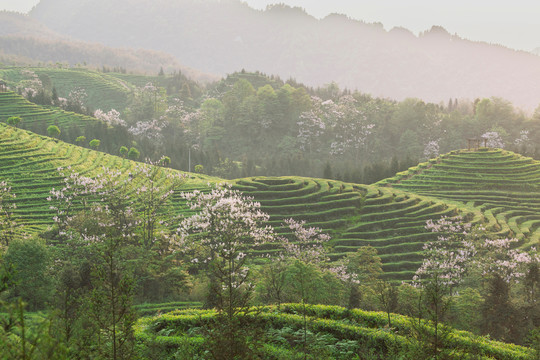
{"type": "Point", "coordinates": [26, 40]}
{"type": "Point", "coordinates": [223, 37]}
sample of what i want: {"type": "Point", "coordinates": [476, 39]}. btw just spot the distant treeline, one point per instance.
{"type": "Point", "coordinates": [252, 124]}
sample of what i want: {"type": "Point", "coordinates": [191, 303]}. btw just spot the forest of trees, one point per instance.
{"type": "Point", "coordinates": [89, 271]}
{"type": "Point", "coordinates": [252, 124]}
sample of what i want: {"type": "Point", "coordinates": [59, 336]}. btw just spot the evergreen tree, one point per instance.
{"type": "Point", "coordinates": [497, 310]}
{"type": "Point", "coordinates": [327, 173]}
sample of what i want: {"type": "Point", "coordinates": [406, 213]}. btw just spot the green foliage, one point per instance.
{"type": "Point", "coordinates": [94, 143]}
{"type": "Point", "coordinates": [123, 151]}
{"type": "Point", "coordinates": [53, 131]}
{"type": "Point", "coordinates": [28, 337]}
{"type": "Point", "coordinates": [80, 140]}
{"type": "Point", "coordinates": [335, 333]}
{"type": "Point", "coordinates": [465, 310]}
{"type": "Point", "coordinates": [14, 120]}
{"type": "Point", "coordinates": [498, 313]}
{"type": "Point", "coordinates": [133, 153]}
{"type": "Point", "coordinates": [30, 260]}
{"type": "Point", "coordinates": [165, 161]}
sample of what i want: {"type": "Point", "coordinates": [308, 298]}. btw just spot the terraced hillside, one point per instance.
{"type": "Point", "coordinates": [354, 215]}
{"type": "Point", "coordinates": [30, 163]}
{"type": "Point", "coordinates": [504, 185]}
{"type": "Point", "coordinates": [139, 79]}
{"type": "Point", "coordinates": [338, 333]}
{"type": "Point", "coordinates": [104, 91]}
{"type": "Point", "coordinates": [34, 115]}
{"type": "Point", "coordinates": [390, 220]}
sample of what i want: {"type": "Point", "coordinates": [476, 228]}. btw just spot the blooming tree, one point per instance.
{"type": "Point", "coordinates": [31, 85]}
{"type": "Point", "coordinates": [311, 126]}
{"type": "Point", "coordinates": [153, 197]}
{"type": "Point", "coordinates": [493, 139]}
{"type": "Point", "coordinates": [110, 232]}
{"type": "Point", "coordinates": [151, 129]}
{"type": "Point", "coordinates": [460, 248]}
{"type": "Point", "coordinates": [126, 212]}
{"type": "Point", "coordinates": [8, 225]}
{"type": "Point", "coordinates": [225, 224]}
{"type": "Point", "coordinates": [447, 257]}
{"type": "Point", "coordinates": [343, 122]}
{"type": "Point", "coordinates": [191, 126]}
{"type": "Point", "coordinates": [523, 138]}
{"type": "Point", "coordinates": [308, 244]}
{"type": "Point", "coordinates": [524, 142]}
{"type": "Point", "coordinates": [110, 193]}
{"type": "Point", "coordinates": [445, 262]}
{"type": "Point", "coordinates": [76, 100]}
{"type": "Point", "coordinates": [308, 252]}
{"type": "Point", "coordinates": [349, 126]}
{"type": "Point", "coordinates": [111, 117]}
{"type": "Point", "coordinates": [431, 150]}
{"type": "Point", "coordinates": [500, 259]}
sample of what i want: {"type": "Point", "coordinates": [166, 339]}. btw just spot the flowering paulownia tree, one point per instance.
{"type": "Point", "coordinates": [345, 125]}
{"type": "Point", "coordinates": [8, 225]}
{"type": "Point", "coordinates": [111, 117]}
{"type": "Point", "coordinates": [432, 149]}
{"type": "Point", "coordinates": [493, 139]}
{"type": "Point", "coordinates": [111, 192]}
{"type": "Point", "coordinates": [461, 248]}
{"type": "Point", "coordinates": [447, 257]}
{"type": "Point", "coordinates": [31, 85]}
{"type": "Point", "coordinates": [224, 226]}
{"type": "Point", "coordinates": [445, 263]}
{"type": "Point", "coordinates": [307, 252]}
{"type": "Point", "coordinates": [285, 276]}
{"type": "Point", "coordinates": [108, 232]}
{"type": "Point", "coordinates": [151, 129]}
{"type": "Point", "coordinates": [308, 245]}
{"type": "Point", "coordinates": [120, 212]}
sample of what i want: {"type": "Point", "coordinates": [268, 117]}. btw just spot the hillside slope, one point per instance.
{"type": "Point", "coordinates": [104, 91]}
{"type": "Point", "coordinates": [34, 116]}
{"type": "Point", "coordinates": [504, 185]}
{"type": "Point", "coordinates": [390, 220]}
{"type": "Point", "coordinates": [32, 164]}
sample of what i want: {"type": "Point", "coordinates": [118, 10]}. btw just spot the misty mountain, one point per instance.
{"type": "Point", "coordinates": [26, 40]}
{"type": "Point", "coordinates": [12, 23]}
{"type": "Point", "coordinates": [225, 36]}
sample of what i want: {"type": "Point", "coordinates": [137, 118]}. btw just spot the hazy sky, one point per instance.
{"type": "Point", "coordinates": [513, 23]}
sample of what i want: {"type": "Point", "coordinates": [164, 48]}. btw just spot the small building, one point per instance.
{"type": "Point", "coordinates": [3, 86]}
{"type": "Point", "coordinates": [474, 143]}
